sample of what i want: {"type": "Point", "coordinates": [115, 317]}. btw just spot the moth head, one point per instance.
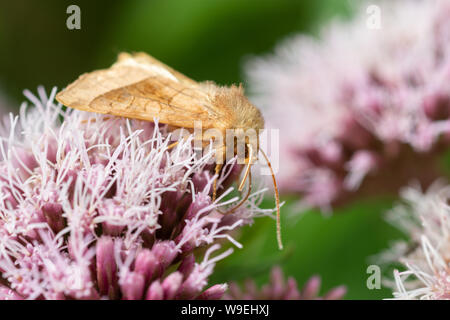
{"type": "Point", "coordinates": [243, 128]}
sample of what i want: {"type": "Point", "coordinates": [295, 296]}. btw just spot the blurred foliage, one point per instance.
{"type": "Point", "coordinates": [37, 48]}
{"type": "Point", "coordinates": [207, 40]}
{"type": "Point", "coordinates": [339, 248]}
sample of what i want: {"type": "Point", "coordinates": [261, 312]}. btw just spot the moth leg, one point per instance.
{"type": "Point", "coordinates": [244, 199]}
{"type": "Point", "coordinates": [172, 145]}
{"type": "Point", "coordinates": [93, 120]}
{"type": "Point", "coordinates": [220, 159]}
{"type": "Point", "coordinates": [217, 171]}
{"type": "Point", "coordinates": [247, 174]}
{"type": "Point", "coordinates": [247, 169]}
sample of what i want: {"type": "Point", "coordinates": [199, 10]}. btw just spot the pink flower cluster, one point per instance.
{"type": "Point", "coordinates": [360, 111]}
{"type": "Point", "coordinates": [95, 207]}
{"type": "Point", "coordinates": [280, 288]}
{"type": "Point", "coordinates": [425, 218]}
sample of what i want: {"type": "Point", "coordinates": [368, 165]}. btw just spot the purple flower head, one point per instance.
{"type": "Point", "coordinates": [360, 111]}
{"type": "Point", "coordinates": [98, 207]}
{"type": "Point", "coordinates": [425, 218]}
{"type": "Point", "coordinates": [280, 288]}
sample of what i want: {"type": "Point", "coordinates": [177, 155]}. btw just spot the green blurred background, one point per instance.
{"type": "Point", "coordinates": [207, 40]}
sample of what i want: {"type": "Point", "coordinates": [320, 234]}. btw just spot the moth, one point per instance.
{"type": "Point", "coordinates": [139, 86]}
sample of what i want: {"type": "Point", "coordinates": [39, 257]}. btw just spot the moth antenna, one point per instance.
{"type": "Point", "coordinates": [277, 200]}
{"type": "Point", "coordinates": [247, 169]}
{"type": "Point", "coordinates": [245, 198]}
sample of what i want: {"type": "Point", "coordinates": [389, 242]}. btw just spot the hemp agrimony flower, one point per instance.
{"type": "Point", "coordinates": [95, 207]}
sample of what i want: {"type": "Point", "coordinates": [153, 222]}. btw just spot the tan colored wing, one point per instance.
{"type": "Point", "coordinates": [140, 87]}
{"type": "Point", "coordinates": [144, 59]}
